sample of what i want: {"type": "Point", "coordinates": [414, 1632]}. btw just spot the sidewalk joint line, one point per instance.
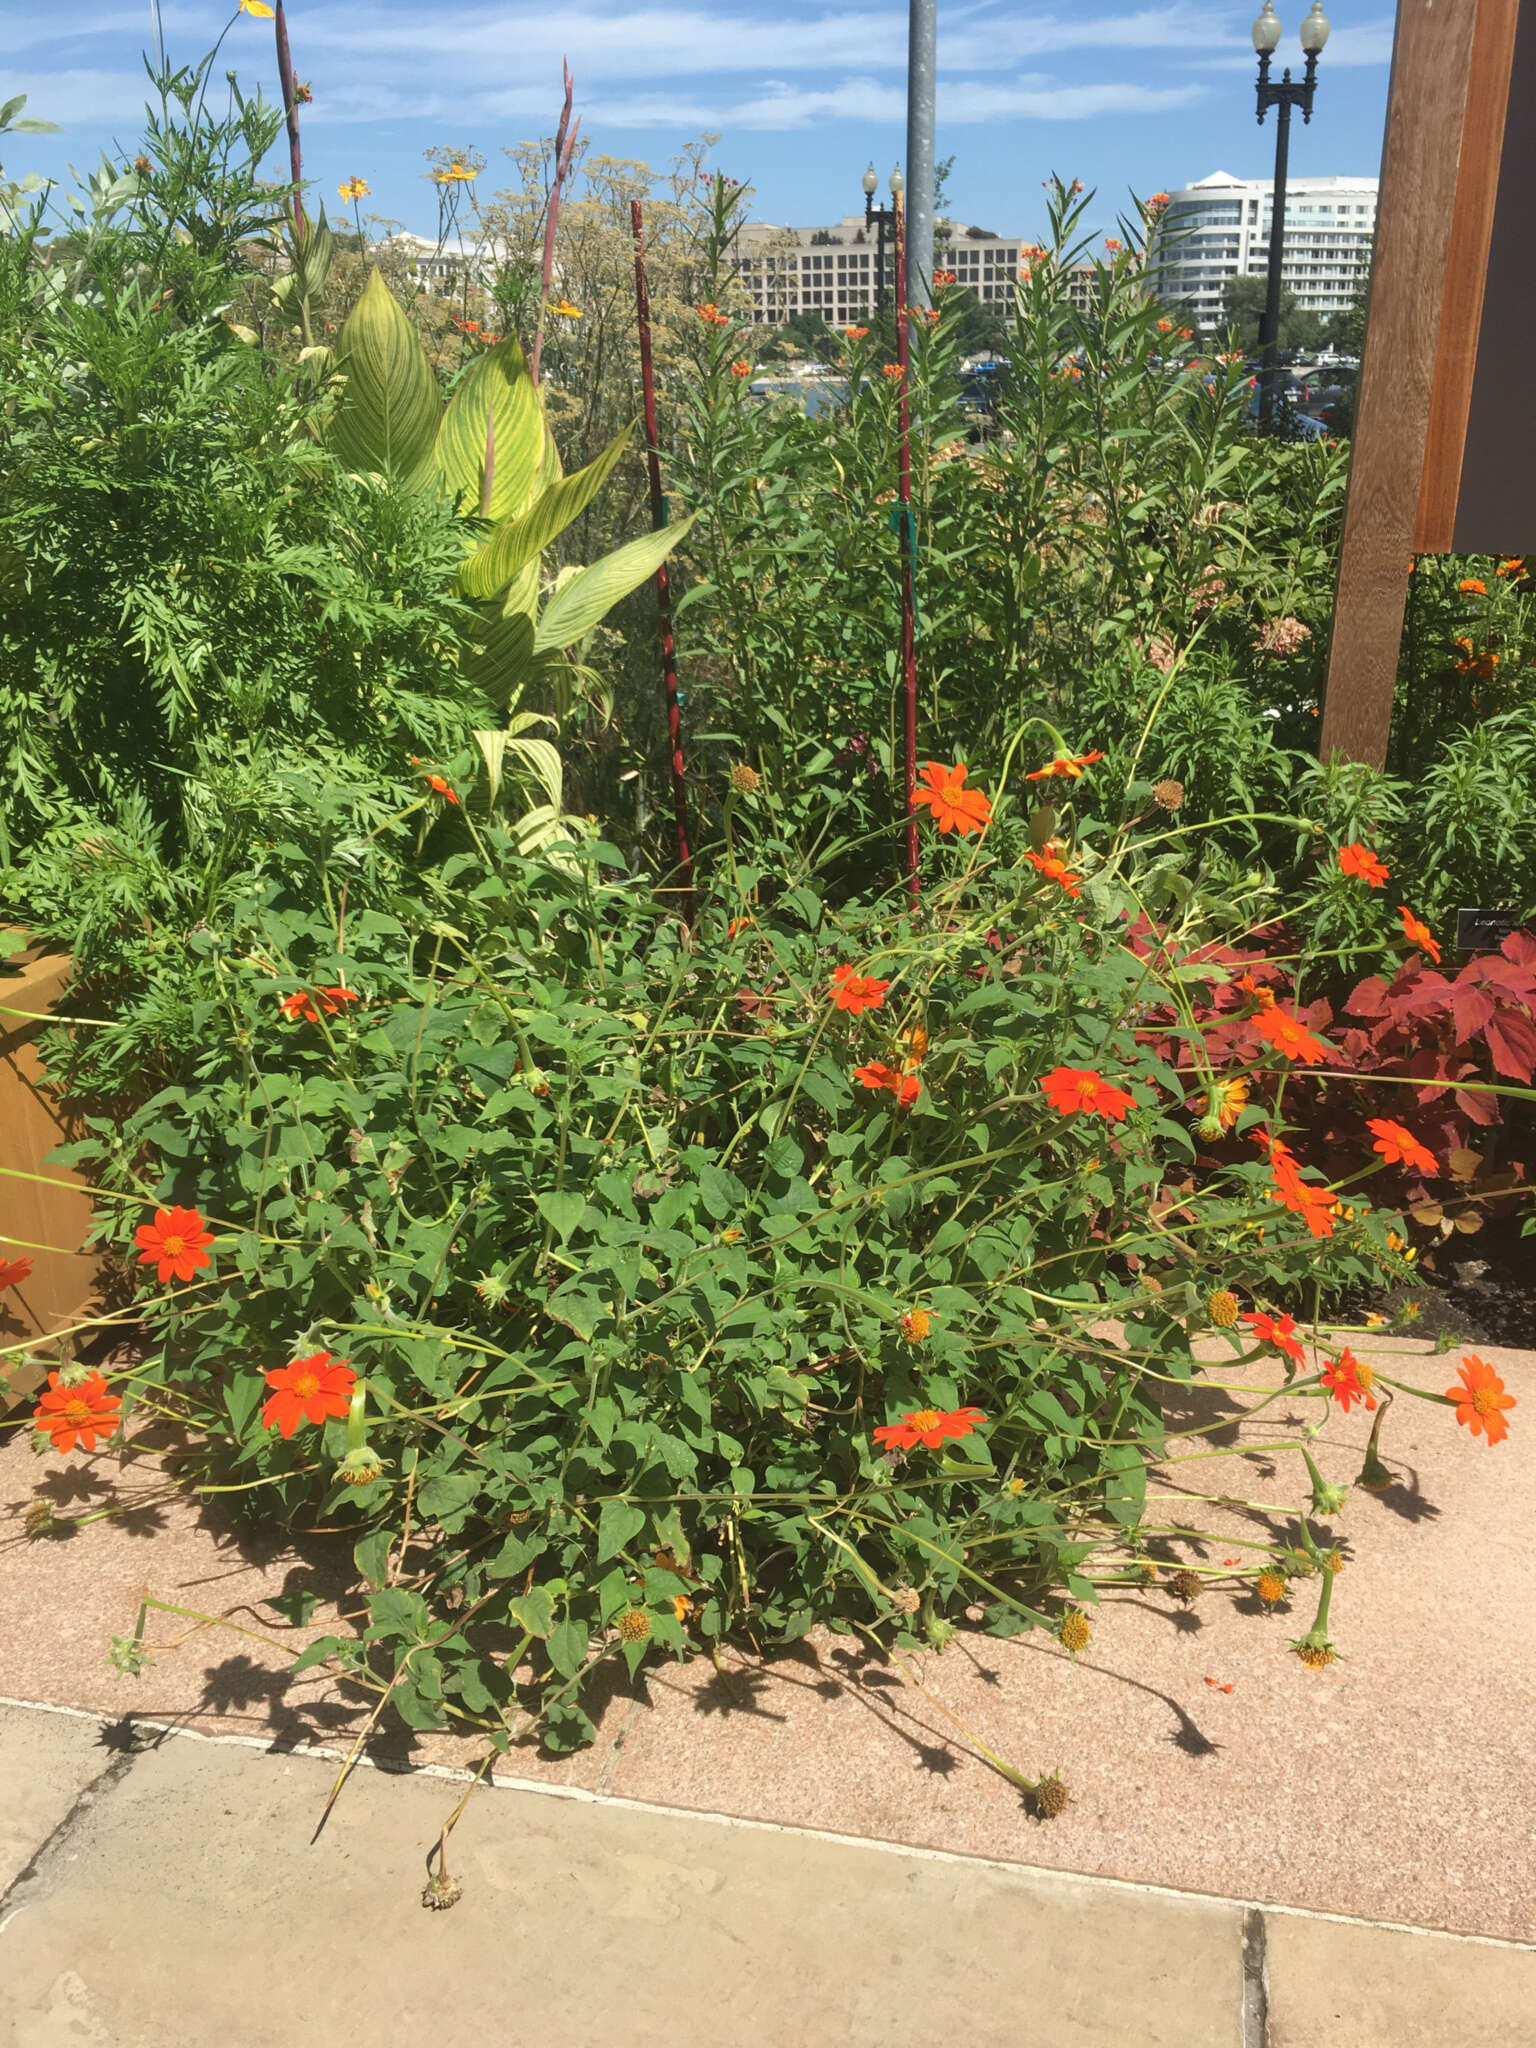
{"type": "Point", "coordinates": [1255, 1980]}
{"type": "Point", "coordinates": [392, 1767]}
{"type": "Point", "coordinates": [120, 1762]}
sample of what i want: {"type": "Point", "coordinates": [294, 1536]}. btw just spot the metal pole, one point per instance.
{"type": "Point", "coordinates": [1269, 392]}
{"type": "Point", "coordinates": [879, 259]}
{"type": "Point", "coordinates": [917, 225]}
{"type": "Point", "coordinates": [908, 559]}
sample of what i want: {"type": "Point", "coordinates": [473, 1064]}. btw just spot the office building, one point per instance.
{"type": "Point", "coordinates": [1219, 228]}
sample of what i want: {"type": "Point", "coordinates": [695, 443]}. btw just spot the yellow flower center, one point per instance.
{"type": "Point", "coordinates": [926, 1418]}
{"type": "Point", "coordinates": [1486, 1400]}
{"type": "Point", "coordinates": [307, 1385]}
{"type": "Point", "coordinates": [172, 1247]}
{"type": "Point", "coordinates": [1366, 1375]}
{"type": "Point", "coordinates": [78, 1413]}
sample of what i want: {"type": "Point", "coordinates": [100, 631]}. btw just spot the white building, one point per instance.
{"type": "Point", "coordinates": [832, 270]}
{"type": "Point", "coordinates": [439, 270]}
{"type": "Point", "coordinates": [1219, 228]}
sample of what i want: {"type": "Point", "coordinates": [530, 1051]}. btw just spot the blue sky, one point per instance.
{"type": "Point", "coordinates": [802, 96]}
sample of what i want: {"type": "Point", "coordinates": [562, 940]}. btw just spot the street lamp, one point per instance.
{"type": "Point", "coordinates": [1283, 96]}
{"type": "Point", "coordinates": [880, 218]}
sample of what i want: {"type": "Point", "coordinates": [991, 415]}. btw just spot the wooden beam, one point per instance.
{"type": "Point", "coordinates": [1426, 108]}
{"type": "Point", "coordinates": [1461, 309]}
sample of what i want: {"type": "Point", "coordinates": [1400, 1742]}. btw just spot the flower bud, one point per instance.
{"type": "Point", "coordinates": [360, 1467]}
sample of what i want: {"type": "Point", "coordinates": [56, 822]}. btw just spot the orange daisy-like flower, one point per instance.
{"type": "Point", "coordinates": [1356, 859]}
{"type": "Point", "coordinates": [955, 808]}
{"type": "Point", "coordinates": [1480, 1399]}
{"type": "Point", "coordinates": [1312, 1204]}
{"type": "Point", "coordinates": [916, 1324]}
{"type": "Point", "coordinates": [905, 1087]}
{"type": "Point", "coordinates": [1227, 1101]}
{"type": "Point", "coordinates": [1417, 933]}
{"type": "Point", "coordinates": [72, 1415]}
{"type": "Point", "coordinates": [1472, 586]}
{"type": "Point", "coordinates": [444, 789]}
{"type": "Point", "coordinates": [307, 1391]}
{"type": "Point", "coordinates": [856, 992]}
{"type": "Point", "coordinates": [890, 369]}
{"type": "Point", "coordinates": [1065, 764]}
{"type": "Point", "coordinates": [1348, 1381]}
{"type": "Point", "coordinates": [1279, 1332]}
{"type": "Point", "coordinates": [1071, 1090]}
{"type": "Point", "coordinates": [1264, 997]}
{"type": "Point", "coordinates": [301, 1003]}
{"type": "Point", "coordinates": [1054, 868]}
{"type": "Point", "coordinates": [13, 1272]}
{"type": "Point", "coordinates": [928, 1427]}
{"type": "Point", "coordinates": [1399, 1147]}
{"type": "Point", "coordinates": [176, 1242]}
{"type": "Point", "coordinates": [1289, 1036]}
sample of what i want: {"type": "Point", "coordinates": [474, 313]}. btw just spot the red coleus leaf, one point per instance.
{"type": "Point", "coordinates": [1471, 1007]}
{"type": "Point", "coordinates": [1520, 947]}
{"type": "Point", "coordinates": [1369, 999]}
{"type": "Point", "coordinates": [1512, 1044]}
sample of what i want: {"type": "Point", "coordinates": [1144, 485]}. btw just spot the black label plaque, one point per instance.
{"type": "Point", "coordinates": [1484, 931]}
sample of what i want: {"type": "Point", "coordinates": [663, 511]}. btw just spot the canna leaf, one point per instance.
{"type": "Point", "coordinates": [496, 402]}
{"type": "Point", "coordinates": [578, 605]}
{"type": "Point", "coordinates": [519, 540]}
{"type": "Point", "coordinates": [387, 418]}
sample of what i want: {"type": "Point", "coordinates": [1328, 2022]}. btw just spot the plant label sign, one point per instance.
{"type": "Point", "coordinates": [1484, 931]}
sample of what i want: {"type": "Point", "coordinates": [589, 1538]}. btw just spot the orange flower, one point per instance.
{"type": "Point", "coordinates": [1472, 586]}
{"type": "Point", "coordinates": [712, 316]}
{"type": "Point", "coordinates": [1342, 1376]}
{"type": "Point", "coordinates": [1165, 327]}
{"type": "Point", "coordinates": [1073, 1089]}
{"type": "Point", "coordinates": [1158, 199]}
{"type": "Point", "coordinates": [857, 333]}
{"type": "Point", "coordinates": [1356, 859]}
{"type": "Point", "coordinates": [905, 1087]}
{"type": "Point", "coordinates": [77, 1414]}
{"type": "Point", "coordinates": [1065, 764]}
{"type": "Point", "coordinates": [1400, 1147]}
{"type": "Point", "coordinates": [943, 277]}
{"type": "Point", "coordinates": [176, 1241]}
{"type": "Point", "coordinates": [1417, 934]}
{"type": "Point", "coordinates": [307, 1391]}
{"type": "Point", "coordinates": [1054, 868]}
{"type": "Point", "coordinates": [890, 370]}
{"type": "Point", "coordinates": [955, 808]}
{"type": "Point", "coordinates": [13, 1272]}
{"type": "Point", "coordinates": [929, 1427]}
{"type": "Point", "coordinates": [741, 369]}
{"type": "Point", "coordinates": [301, 1003]}
{"type": "Point", "coordinates": [1480, 666]}
{"type": "Point", "coordinates": [1479, 1399]}
{"type": "Point", "coordinates": [915, 1045]}
{"type": "Point", "coordinates": [1114, 247]}
{"type": "Point", "coordinates": [1289, 1036]}
{"type": "Point", "coordinates": [1264, 997]}
{"type": "Point", "coordinates": [1279, 1332]}
{"type": "Point", "coordinates": [1227, 1101]}
{"type": "Point", "coordinates": [1515, 566]}
{"type": "Point", "coordinates": [857, 992]}
{"type": "Point", "coordinates": [916, 1324]}
{"type": "Point", "coordinates": [443, 788]}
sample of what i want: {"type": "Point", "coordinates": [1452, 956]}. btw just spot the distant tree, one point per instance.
{"type": "Point", "coordinates": [1346, 331]}
{"type": "Point", "coordinates": [825, 239]}
{"type": "Point", "coordinates": [802, 334]}
{"type": "Point", "coordinates": [1242, 309]}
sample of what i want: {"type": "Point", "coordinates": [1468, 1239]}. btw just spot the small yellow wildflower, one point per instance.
{"type": "Point", "coordinates": [354, 188]}
{"type": "Point", "coordinates": [566, 310]}
{"type": "Point", "coordinates": [259, 8]}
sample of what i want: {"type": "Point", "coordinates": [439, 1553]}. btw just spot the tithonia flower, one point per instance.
{"type": "Point", "coordinates": [301, 1003]}
{"type": "Point", "coordinates": [742, 368]}
{"type": "Point", "coordinates": [1075, 1632]}
{"type": "Point", "coordinates": [1065, 764]}
{"type": "Point", "coordinates": [916, 1324]}
{"type": "Point", "coordinates": [1289, 1036]}
{"type": "Point", "coordinates": [444, 789]}
{"type": "Point", "coordinates": [307, 1391]}
{"type": "Point", "coordinates": [955, 808]}
{"type": "Point", "coordinates": [929, 1427]}
{"type": "Point", "coordinates": [905, 1087]}
{"type": "Point", "coordinates": [633, 1625]}
{"type": "Point", "coordinates": [1313, 1204]}
{"type": "Point", "coordinates": [1416, 933]}
{"type": "Point", "coordinates": [856, 992]}
{"type": "Point", "coordinates": [1070, 1090]}
{"type": "Point", "coordinates": [1221, 1307]}
{"type": "Point", "coordinates": [1054, 868]}
{"type": "Point", "coordinates": [72, 1415]}
{"type": "Point", "coordinates": [13, 1272]}
{"type": "Point", "coordinates": [1401, 1148]}
{"type": "Point", "coordinates": [354, 188]}
{"type": "Point", "coordinates": [176, 1242]}
{"type": "Point", "coordinates": [744, 779]}
{"type": "Point", "coordinates": [1472, 586]}
{"type": "Point", "coordinates": [1480, 1399]}
{"type": "Point", "coordinates": [1279, 1332]}
{"type": "Point", "coordinates": [1224, 1105]}
{"type": "Point", "coordinates": [1271, 1588]}
{"type": "Point", "coordinates": [1356, 859]}
{"type": "Point", "coordinates": [1348, 1380]}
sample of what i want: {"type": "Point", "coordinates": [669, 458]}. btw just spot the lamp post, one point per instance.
{"type": "Point", "coordinates": [1282, 96]}
{"type": "Point", "coordinates": [880, 218]}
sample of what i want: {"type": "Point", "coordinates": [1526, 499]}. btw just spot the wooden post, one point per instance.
{"type": "Point", "coordinates": [1426, 111]}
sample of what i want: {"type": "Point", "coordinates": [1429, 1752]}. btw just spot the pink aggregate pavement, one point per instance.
{"type": "Point", "coordinates": [1396, 1785]}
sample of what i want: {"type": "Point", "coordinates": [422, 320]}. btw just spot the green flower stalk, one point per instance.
{"type": "Point", "coordinates": [1315, 1648]}
{"type": "Point", "coordinates": [1374, 1476]}
{"type": "Point", "coordinates": [1326, 1500]}
{"type": "Point", "coordinates": [362, 1464]}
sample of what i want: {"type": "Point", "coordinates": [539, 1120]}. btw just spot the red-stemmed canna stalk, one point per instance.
{"type": "Point", "coordinates": [565, 142]}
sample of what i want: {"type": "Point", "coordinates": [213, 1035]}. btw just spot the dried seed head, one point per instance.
{"type": "Point", "coordinates": [634, 1625]}
{"type": "Point", "coordinates": [744, 780]}
{"type": "Point", "coordinates": [1075, 1632]}
{"type": "Point", "coordinates": [1185, 1586]}
{"type": "Point", "coordinates": [1051, 1797]}
{"type": "Point", "coordinates": [1168, 794]}
{"type": "Point", "coordinates": [906, 1599]}
{"type": "Point", "coordinates": [1221, 1307]}
{"type": "Point", "coordinates": [38, 1518]}
{"type": "Point", "coordinates": [441, 1893]}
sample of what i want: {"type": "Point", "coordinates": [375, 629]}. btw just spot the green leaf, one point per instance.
{"type": "Point", "coordinates": [568, 1647]}
{"type": "Point", "coordinates": [618, 1523]}
{"type": "Point", "coordinates": [240, 1398]}
{"type": "Point", "coordinates": [562, 1212]}
{"type": "Point", "coordinates": [522, 539]}
{"type": "Point", "coordinates": [387, 417]}
{"type": "Point", "coordinates": [534, 1611]}
{"type": "Point", "coordinates": [495, 409]}
{"type": "Point", "coordinates": [371, 1556]}
{"type": "Point", "coordinates": [576, 607]}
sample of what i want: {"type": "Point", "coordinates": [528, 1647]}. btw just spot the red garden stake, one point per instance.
{"type": "Point", "coordinates": [663, 589]}
{"type": "Point", "coordinates": [908, 552]}
{"type": "Point", "coordinates": [290, 110]}
{"type": "Point", "coordinates": [565, 142]}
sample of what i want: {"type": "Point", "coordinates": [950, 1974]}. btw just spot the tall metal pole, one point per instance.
{"type": "Point", "coordinates": [1270, 392]}
{"type": "Point", "coordinates": [880, 259]}
{"type": "Point", "coordinates": [908, 557]}
{"type": "Point", "coordinates": [922, 65]}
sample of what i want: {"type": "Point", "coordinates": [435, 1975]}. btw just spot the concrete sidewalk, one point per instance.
{"type": "Point", "coordinates": [163, 1890]}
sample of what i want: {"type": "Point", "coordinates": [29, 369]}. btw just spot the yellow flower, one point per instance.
{"type": "Point", "coordinates": [916, 1324]}
{"type": "Point", "coordinates": [565, 308]}
{"type": "Point", "coordinates": [259, 8]}
{"type": "Point", "coordinates": [354, 188]}
{"type": "Point", "coordinates": [457, 173]}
